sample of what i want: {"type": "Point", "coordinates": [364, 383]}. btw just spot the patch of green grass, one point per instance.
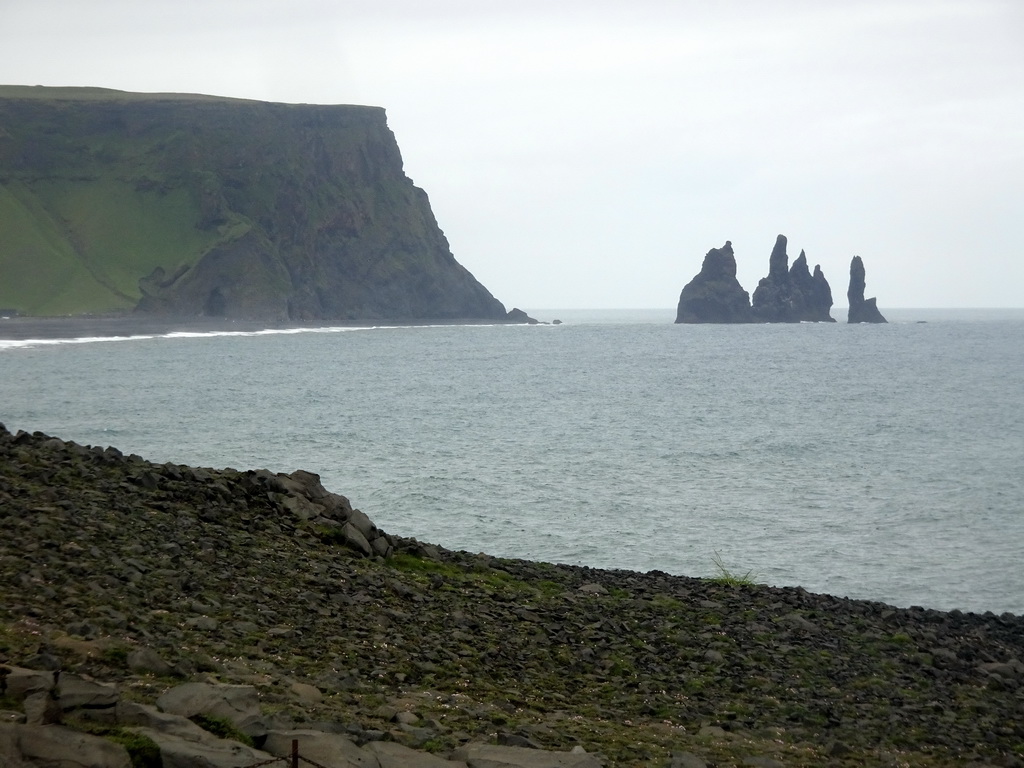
{"type": "Point", "coordinates": [549, 588]}
{"type": "Point", "coordinates": [667, 603]}
{"type": "Point", "coordinates": [115, 655]}
{"type": "Point", "coordinates": [91, 240]}
{"type": "Point", "coordinates": [222, 728]}
{"type": "Point", "coordinates": [142, 750]}
{"type": "Point", "coordinates": [871, 682]}
{"type": "Point", "coordinates": [728, 577]}
{"type": "Point", "coordinates": [621, 665]}
{"type": "Point", "coordinates": [329, 535]}
{"type": "Point", "coordinates": [15, 644]}
{"type": "Point", "coordinates": [403, 561]}
{"type": "Point", "coordinates": [438, 744]}
{"type": "Point", "coordinates": [500, 581]}
{"type": "Point", "coordinates": [694, 684]}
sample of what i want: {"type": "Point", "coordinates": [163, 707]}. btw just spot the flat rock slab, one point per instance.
{"type": "Point", "coordinates": [26, 746]}
{"type": "Point", "coordinates": [20, 682]}
{"type": "Point", "coordinates": [75, 692]}
{"type": "Point", "coordinates": [238, 703]}
{"type": "Point", "coordinates": [181, 752]}
{"type": "Point", "coordinates": [491, 756]}
{"type": "Point", "coordinates": [390, 754]}
{"type": "Point", "coordinates": [329, 749]}
{"type": "Point", "coordinates": [130, 713]}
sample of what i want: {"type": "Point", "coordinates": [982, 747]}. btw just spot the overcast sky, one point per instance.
{"type": "Point", "coordinates": [589, 153]}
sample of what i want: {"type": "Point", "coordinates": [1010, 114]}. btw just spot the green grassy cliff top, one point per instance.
{"type": "Point", "coordinates": [81, 93]}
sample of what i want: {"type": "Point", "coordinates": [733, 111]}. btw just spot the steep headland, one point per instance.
{"type": "Point", "coordinates": [114, 569]}
{"type": "Point", "coordinates": [861, 310]}
{"type": "Point", "coordinates": [198, 206]}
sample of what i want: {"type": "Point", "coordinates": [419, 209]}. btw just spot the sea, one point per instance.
{"type": "Point", "coordinates": [877, 462]}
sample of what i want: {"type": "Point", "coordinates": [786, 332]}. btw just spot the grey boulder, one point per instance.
{"type": "Point", "coordinates": [54, 746]}
{"type": "Point", "coordinates": [329, 749]}
{"type": "Point", "coordinates": [391, 754]}
{"type": "Point", "coordinates": [202, 751]}
{"type": "Point", "coordinates": [491, 756]}
{"type": "Point", "coordinates": [237, 703]}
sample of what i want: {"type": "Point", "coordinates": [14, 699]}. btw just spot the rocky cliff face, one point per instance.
{"type": "Point", "coordinates": [715, 295]}
{"type": "Point", "coordinates": [194, 205]}
{"type": "Point", "coordinates": [791, 294]}
{"type": "Point", "coordinates": [861, 310]}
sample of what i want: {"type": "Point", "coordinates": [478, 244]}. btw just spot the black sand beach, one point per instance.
{"type": "Point", "coordinates": [22, 328]}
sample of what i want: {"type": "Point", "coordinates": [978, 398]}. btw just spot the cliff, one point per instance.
{"type": "Point", "coordinates": [861, 310]}
{"type": "Point", "coordinates": [202, 206]}
{"type": "Point", "coordinates": [791, 294]}
{"type": "Point", "coordinates": [715, 295]}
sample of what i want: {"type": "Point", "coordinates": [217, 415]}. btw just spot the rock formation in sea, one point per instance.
{"type": "Point", "coordinates": [861, 310]}
{"type": "Point", "coordinates": [516, 315]}
{"type": "Point", "coordinates": [201, 206]}
{"type": "Point", "coordinates": [791, 294]}
{"type": "Point", "coordinates": [714, 295]}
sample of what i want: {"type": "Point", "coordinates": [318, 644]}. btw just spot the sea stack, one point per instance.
{"type": "Point", "coordinates": [791, 295]}
{"type": "Point", "coordinates": [861, 310]}
{"type": "Point", "coordinates": [714, 295]}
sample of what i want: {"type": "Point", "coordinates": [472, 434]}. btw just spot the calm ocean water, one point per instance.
{"type": "Point", "coordinates": [878, 462]}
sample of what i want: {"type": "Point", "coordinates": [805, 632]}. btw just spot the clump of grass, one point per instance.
{"type": "Point", "coordinates": [142, 750]}
{"type": "Point", "coordinates": [329, 535]}
{"type": "Point", "coordinates": [115, 655]}
{"type": "Point", "coordinates": [402, 561]}
{"type": "Point", "coordinates": [548, 588]}
{"type": "Point", "coordinates": [222, 728]}
{"type": "Point", "coordinates": [729, 578]}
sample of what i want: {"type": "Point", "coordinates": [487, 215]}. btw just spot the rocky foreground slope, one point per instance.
{"type": "Point", "coordinates": [151, 576]}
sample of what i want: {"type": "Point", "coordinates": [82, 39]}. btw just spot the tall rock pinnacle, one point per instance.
{"type": "Point", "coordinates": [791, 295]}
{"type": "Point", "coordinates": [861, 310]}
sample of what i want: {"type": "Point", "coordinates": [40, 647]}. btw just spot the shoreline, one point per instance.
{"type": "Point", "coordinates": [23, 328]}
